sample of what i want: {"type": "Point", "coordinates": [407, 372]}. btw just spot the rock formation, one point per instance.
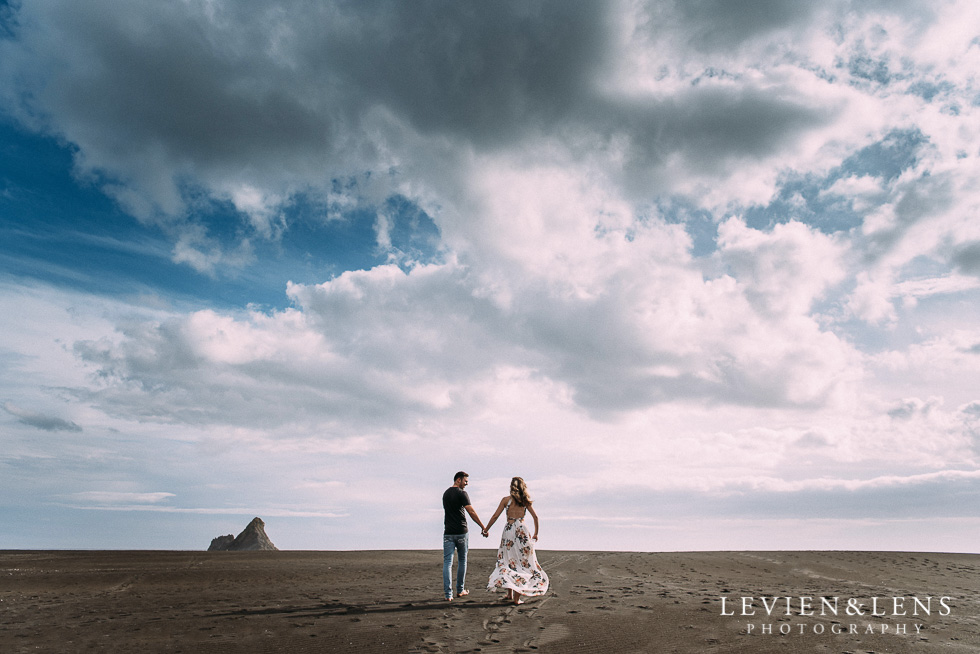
{"type": "Point", "coordinates": [252, 538]}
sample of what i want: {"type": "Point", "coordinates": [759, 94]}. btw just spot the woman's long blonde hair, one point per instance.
{"type": "Point", "coordinates": [518, 490]}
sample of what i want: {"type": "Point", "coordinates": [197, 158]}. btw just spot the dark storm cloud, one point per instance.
{"type": "Point", "coordinates": [710, 126]}
{"type": "Point", "coordinates": [722, 24]}
{"type": "Point", "coordinates": [248, 85]}
{"type": "Point", "coordinates": [722, 28]}
{"type": "Point", "coordinates": [484, 71]}
{"type": "Point", "coordinates": [159, 97]}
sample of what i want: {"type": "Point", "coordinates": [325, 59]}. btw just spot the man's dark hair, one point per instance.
{"type": "Point", "coordinates": [459, 475]}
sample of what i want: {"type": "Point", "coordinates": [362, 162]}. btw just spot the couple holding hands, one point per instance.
{"type": "Point", "coordinates": [517, 570]}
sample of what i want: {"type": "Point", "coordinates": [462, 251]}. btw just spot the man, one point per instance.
{"type": "Point", "coordinates": [455, 500]}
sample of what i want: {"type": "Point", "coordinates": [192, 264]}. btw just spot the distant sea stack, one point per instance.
{"type": "Point", "coordinates": [252, 538]}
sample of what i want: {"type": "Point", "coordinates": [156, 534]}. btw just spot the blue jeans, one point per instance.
{"type": "Point", "coordinates": [454, 543]}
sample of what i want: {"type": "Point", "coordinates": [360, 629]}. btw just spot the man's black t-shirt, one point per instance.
{"type": "Point", "coordinates": [453, 501]}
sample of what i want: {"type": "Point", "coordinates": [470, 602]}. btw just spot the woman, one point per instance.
{"type": "Point", "coordinates": [517, 567]}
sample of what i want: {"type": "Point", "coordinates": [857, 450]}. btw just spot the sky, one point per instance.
{"type": "Point", "coordinates": [706, 274]}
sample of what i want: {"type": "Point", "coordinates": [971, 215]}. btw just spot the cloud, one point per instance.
{"type": "Point", "coordinates": [784, 271]}
{"type": "Point", "coordinates": [382, 373]}
{"type": "Point", "coordinates": [197, 89]}
{"type": "Point", "coordinates": [40, 420]}
{"type": "Point", "coordinates": [247, 511]}
{"type": "Point", "coordinates": [631, 323]}
{"type": "Point", "coordinates": [115, 497]}
{"type": "Point", "coordinates": [252, 104]}
{"type": "Point", "coordinates": [908, 496]}
{"type": "Point", "coordinates": [886, 497]}
{"type": "Point", "coordinates": [967, 258]}
{"type": "Point", "coordinates": [912, 407]}
{"type": "Point", "coordinates": [718, 25]}
{"type": "Point", "coordinates": [919, 288]}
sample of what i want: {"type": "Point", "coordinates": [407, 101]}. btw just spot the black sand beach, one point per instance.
{"type": "Point", "coordinates": [390, 601]}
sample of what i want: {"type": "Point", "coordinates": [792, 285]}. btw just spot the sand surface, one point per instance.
{"type": "Point", "coordinates": [112, 601]}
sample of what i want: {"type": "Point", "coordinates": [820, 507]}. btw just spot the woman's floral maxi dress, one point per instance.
{"type": "Point", "coordinates": [517, 566]}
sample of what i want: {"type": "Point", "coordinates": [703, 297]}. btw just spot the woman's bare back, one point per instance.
{"type": "Point", "coordinates": [514, 510]}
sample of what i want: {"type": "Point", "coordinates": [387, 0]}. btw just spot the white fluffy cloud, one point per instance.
{"type": "Point", "coordinates": [643, 326]}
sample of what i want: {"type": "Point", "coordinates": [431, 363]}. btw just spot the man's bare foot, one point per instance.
{"type": "Point", "coordinates": [449, 599]}
{"type": "Point", "coordinates": [463, 593]}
